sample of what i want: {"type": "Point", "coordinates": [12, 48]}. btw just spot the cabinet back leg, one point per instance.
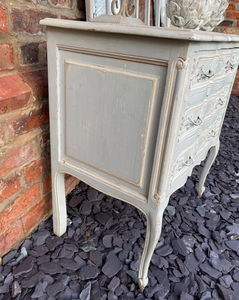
{"type": "Point", "coordinates": [59, 203]}
{"type": "Point", "coordinates": [209, 161]}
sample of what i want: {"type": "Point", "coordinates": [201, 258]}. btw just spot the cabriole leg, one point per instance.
{"type": "Point", "coordinates": [209, 161]}
{"type": "Point", "coordinates": [59, 203]}
{"type": "Point", "coordinates": [154, 228]}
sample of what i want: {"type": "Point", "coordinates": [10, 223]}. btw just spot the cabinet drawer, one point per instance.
{"type": "Point", "coordinates": [183, 158]}
{"type": "Point", "coordinates": [207, 69]}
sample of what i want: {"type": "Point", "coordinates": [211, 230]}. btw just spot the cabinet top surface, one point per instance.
{"type": "Point", "coordinates": [149, 31]}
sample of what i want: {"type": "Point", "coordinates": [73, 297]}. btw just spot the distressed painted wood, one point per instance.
{"type": "Point", "coordinates": [133, 110]}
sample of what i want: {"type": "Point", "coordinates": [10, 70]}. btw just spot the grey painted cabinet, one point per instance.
{"type": "Point", "coordinates": [133, 110]}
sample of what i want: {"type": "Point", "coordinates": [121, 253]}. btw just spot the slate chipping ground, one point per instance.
{"type": "Point", "coordinates": [197, 256]}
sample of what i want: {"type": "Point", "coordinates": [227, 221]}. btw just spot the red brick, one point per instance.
{"type": "Point", "coordinates": [13, 93]}
{"type": "Point", "coordinates": [231, 6]}
{"type": "Point", "coordinates": [11, 237]}
{"type": "Point", "coordinates": [6, 57]}
{"type": "Point", "coordinates": [20, 206]}
{"type": "Point", "coordinates": [26, 122]}
{"type": "Point", "coordinates": [27, 20]}
{"type": "Point", "coordinates": [232, 14]}
{"type": "Point", "coordinates": [235, 89]}
{"type": "Point", "coordinates": [18, 157]}
{"type": "Point", "coordinates": [37, 214]}
{"type": "Point", "coordinates": [29, 54]}
{"type": "Point", "coordinates": [3, 20]}
{"type": "Point", "coordinates": [70, 183]}
{"type": "Point", "coordinates": [46, 184]}
{"type": "Point", "coordinates": [35, 170]}
{"type": "Point", "coordinates": [9, 187]}
{"type": "Point", "coordinates": [37, 81]}
{"type": "Point", "coordinates": [231, 30]}
{"type": "Point", "coordinates": [2, 135]}
{"type": "Point", "coordinates": [237, 79]}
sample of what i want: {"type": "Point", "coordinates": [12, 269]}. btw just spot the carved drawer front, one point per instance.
{"type": "Point", "coordinates": [204, 106]}
{"type": "Point", "coordinates": [191, 122]}
{"type": "Point", "coordinates": [210, 134]}
{"type": "Point", "coordinates": [207, 69]}
{"type": "Point", "coordinates": [183, 161]}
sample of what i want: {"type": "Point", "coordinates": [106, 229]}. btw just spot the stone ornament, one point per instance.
{"type": "Point", "coordinates": [125, 10]}
{"type": "Point", "coordinates": [196, 14]}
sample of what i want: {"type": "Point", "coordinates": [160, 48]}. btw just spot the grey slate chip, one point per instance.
{"type": "Point", "coordinates": [234, 245]}
{"type": "Point", "coordinates": [86, 207]}
{"type": "Point", "coordinates": [204, 231]}
{"type": "Point", "coordinates": [179, 247]}
{"type": "Point", "coordinates": [96, 257]}
{"type": "Point", "coordinates": [199, 254]}
{"type": "Point", "coordinates": [161, 276]}
{"type": "Point", "coordinates": [40, 237]}
{"type": "Point", "coordinates": [24, 267]}
{"type": "Point", "coordinates": [205, 267]}
{"type": "Point", "coordinates": [89, 272]}
{"type": "Point", "coordinates": [226, 294]}
{"type": "Point", "coordinates": [80, 262]}
{"type": "Point", "coordinates": [32, 280]}
{"type": "Point", "coordinates": [227, 266]}
{"type": "Point", "coordinates": [53, 241]}
{"type": "Point", "coordinates": [51, 268]}
{"type": "Point", "coordinates": [94, 195]}
{"type": "Point", "coordinates": [8, 256]}
{"type": "Point", "coordinates": [112, 266]}
{"type": "Point", "coordinates": [191, 263]}
{"type": "Point", "coordinates": [236, 276]}
{"type": "Point", "coordinates": [16, 289]}
{"type": "Point", "coordinates": [75, 200]}
{"type": "Point", "coordinates": [104, 219]}
{"type": "Point", "coordinates": [216, 263]}
{"type": "Point", "coordinates": [68, 264]}
{"type": "Point", "coordinates": [55, 288]}
{"type": "Point", "coordinates": [165, 250]}
{"type": "Point", "coordinates": [85, 294]}
{"type": "Point", "coordinates": [67, 250]}
{"type": "Point", "coordinates": [226, 281]}
{"type": "Point", "coordinates": [41, 250]}
{"type": "Point", "coordinates": [39, 290]}
{"type": "Point", "coordinates": [150, 291]}
{"type": "Point", "coordinates": [114, 283]}
{"type": "Point", "coordinates": [107, 240]}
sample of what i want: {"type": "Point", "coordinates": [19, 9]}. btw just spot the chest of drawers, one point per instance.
{"type": "Point", "coordinates": [133, 110]}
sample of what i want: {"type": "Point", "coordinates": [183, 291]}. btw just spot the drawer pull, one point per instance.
{"type": "Point", "coordinates": [213, 133]}
{"type": "Point", "coordinates": [198, 122]}
{"type": "Point", "coordinates": [189, 162]}
{"type": "Point", "coordinates": [220, 101]}
{"type": "Point", "coordinates": [233, 66]}
{"type": "Point", "coordinates": [209, 74]}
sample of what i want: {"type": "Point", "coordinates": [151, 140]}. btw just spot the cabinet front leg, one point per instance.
{"type": "Point", "coordinates": [209, 161]}
{"type": "Point", "coordinates": [154, 228]}
{"type": "Point", "coordinates": [59, 203]}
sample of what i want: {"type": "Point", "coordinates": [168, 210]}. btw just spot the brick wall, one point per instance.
{"type": "Point", "coordinates": [142, 11]}
{"type": "Point", "coordinates": [25, 181]}
{"type": "Point", "coordinates": [230, 25]}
